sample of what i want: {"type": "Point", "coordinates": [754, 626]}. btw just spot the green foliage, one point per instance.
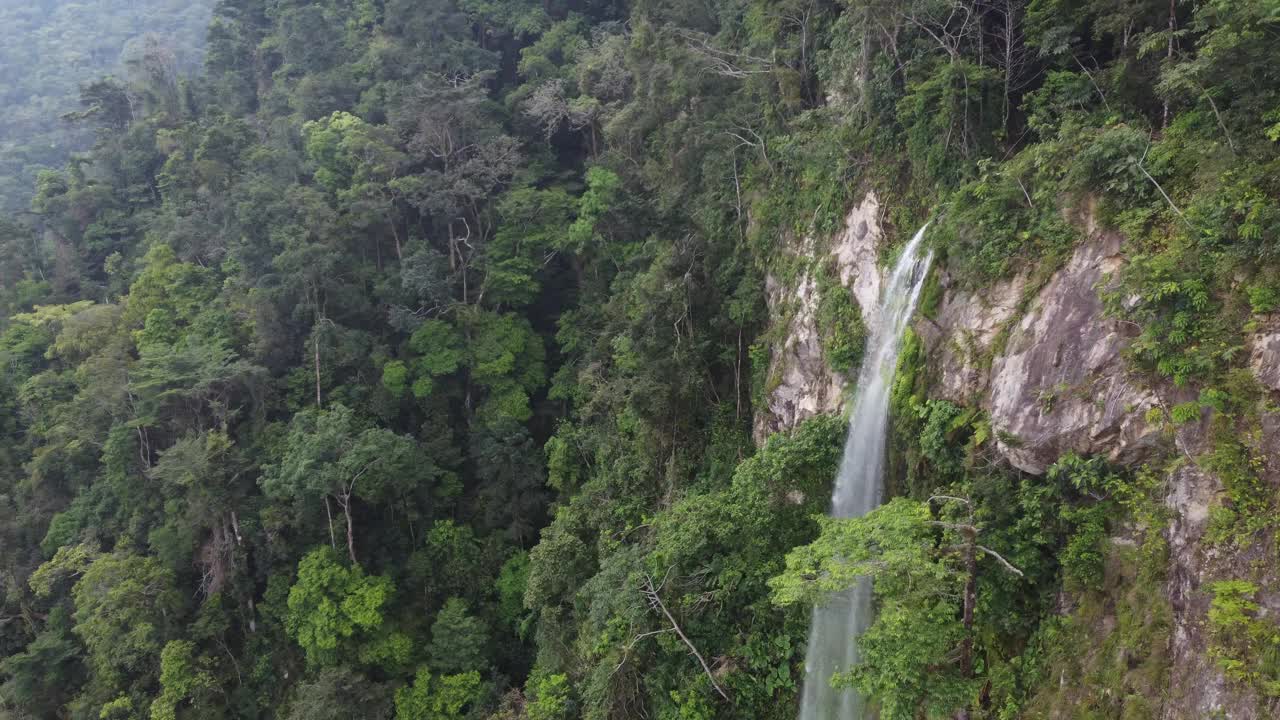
{"type": "Point", "coordinates": [38, 677]}
{"type": "Point", "coordinates": [119, 709]}
{"type": "Point", "coordinates": [51, 49]}
{"type": "Point", "coordinates": [1006, 219]}
{"type": "Point", "coordinates": [1082, 558]}
{"type": "Point", "coordinates": [1110, 657]}
{"type": "Point", "coordinates": [478, 290]}
{"type": "Point", "coordinates": [807, 182]}
{"type": "Point", "coordinates": [458, 639]}
{"type": "Point", "coordinates": [603, 188]}
{"type": "Point", "coordinates": [1084, 554]}
{"type": "Point", "coordinates": [551, 698]}
{"type": "Point", "coordinates": [182, 681]}
{"type": "Point", "coordinates": [1263, 299]}
{"type": "Point", "coordinates": [125, 607]}
{"type": "Point", "coordinates": [945, 100]}
{"type": "Point", "coordinates": [512, 581]}
{"type": "Point", "coordinates": [941, 421]}
{"type": "Point", "coordinates": [1236, 454]}
{"type": "Point", "coordinates": [337, 694]}
{"type": "Point", "coordinates": [334, 608]}
{"type": "Point", "coordinates": [506, 358]}
{"type": "Point", "coordinates": [839, 320]}
{"type": "Point", "coordinates": [1185, 336]}
{"type": "Point", "coordinates": [439, 347]}
{"type": "Point", "coordinates": [905, 665]}
{"type": "Point", "coordinates": [1243, 644]}
{"type": "Point", "coordinates": [445, 697]}
{"type": "Point", "coordinates": [744, 529]}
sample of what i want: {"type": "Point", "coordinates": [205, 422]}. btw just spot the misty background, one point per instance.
{"type": "Point", "coordinates": [49, 48]}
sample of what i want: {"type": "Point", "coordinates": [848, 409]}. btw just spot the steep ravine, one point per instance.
{"type": "Point", "coordinates": [1047, 365]}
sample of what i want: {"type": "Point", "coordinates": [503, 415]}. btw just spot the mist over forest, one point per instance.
{"type": "Point", "coordinates": [49, 48]}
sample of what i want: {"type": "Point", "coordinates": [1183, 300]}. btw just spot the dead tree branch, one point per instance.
{"type": "Point", "coordinates": [655, 602]}
{"type": "Point", "coordinates": [1007, 565]}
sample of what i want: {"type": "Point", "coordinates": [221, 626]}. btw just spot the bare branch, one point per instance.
{"type": "Point", "coordinates": [1025, 194]}
{"type": "Point", "coordinates": [725, 62]}
{"type": "Point", "coordinates": [1089, 75]}
{"type": "Point", "coordinates": [1161, 189]}
{"type": "Point", "coordinates": [626, 649]}
{"type": "Point", "coordinates": [1230, 143]}
{"type": "Point", "coordinates": [651, 594]}
{"type": "Point", "coordinates": [1007, 565]}
{"type": "Point", "coordinates": [961, 527]}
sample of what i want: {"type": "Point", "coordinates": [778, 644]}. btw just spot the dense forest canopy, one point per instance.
{"type": "Point", "coordinates": [48, 48]}
{"type": "Point", "coordinates": [401, 361]}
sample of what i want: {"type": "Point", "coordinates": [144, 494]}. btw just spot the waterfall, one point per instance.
{"type": "Point", "coordinates": [837, 624]}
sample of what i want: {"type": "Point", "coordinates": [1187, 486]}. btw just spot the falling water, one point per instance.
{"type": "Point", "coordinates": [837, 624]}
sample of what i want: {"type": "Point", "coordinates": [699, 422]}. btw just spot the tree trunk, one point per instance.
{"type": "Point", "coordinates": [1008, 59]}
{"type": "Point", "coordinates": [345, 502]}
{"type": "Point", "coordinates": [316, 344]}
{"type": "Point", "coordinates": [970, 599]}
{"type": "Point", "coordinates": [395, 233]}
{"type": "Point", "coordinates": [1173, 23]}
{"type": "Point", "coordinates": [328, 512]}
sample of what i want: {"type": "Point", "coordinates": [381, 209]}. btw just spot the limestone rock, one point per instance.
{"type": "Point", "coordinates": [805, 384]}
{"type": "Point", "coordinates": [1266, 359]}
{"type": "Point", "coordinates": [963, 333]}
{"type": "Point", "coordinates": [1061, 383]}
{"type": "Point", "coordinates": [856, 250]}
{"type": "Point", "coordinates": [802, 383]}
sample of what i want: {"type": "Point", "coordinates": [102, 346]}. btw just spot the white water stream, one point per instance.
{"type": "Point", "coordinates": [836, 626]}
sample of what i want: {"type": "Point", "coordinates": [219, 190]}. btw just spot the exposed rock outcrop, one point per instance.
{"type": "Point", "coordinates": [1060, 383]}
{"type": "Point", "coordinates": [1048, 368]}
{"type": "Point", "coordinates": [1266, 359]}
{"type": "Point", "coordinates": [1047, 365]}
{"type": "Point", "coordinates": [856, 252]}
{"type": "Point", "coordinates": [963, 333]}
{"type": "Point", "coordinates": [801, 382]}
{"type": "Point", "coordinates": [1191, 494]}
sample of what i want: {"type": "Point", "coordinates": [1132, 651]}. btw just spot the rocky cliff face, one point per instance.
{"type": "Point", "coordinates": [1057, 381]}
{"type": "Point", "coordinates": [1047, 365]}
{"type": "Point", "coordinates": [802, 384]}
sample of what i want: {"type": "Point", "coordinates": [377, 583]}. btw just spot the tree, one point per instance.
{"type": "Point", "coordinates": [917, 653]}
{"type": "Point", "coordinates": [184, 679]}
{"type": "Point", "coordinates": [125, 607]}
{"type": "Point", "coordinates": [359, 163]}
{"type": "Point", "coordinates": [511, 493]}
{"type": "Point", "coordinates": [339, 694]}
{"type": "Point", "coordinates": [333, 454]}
{"type": "Point", "coordinates": [437, 697]}
{"type": "Point", "coordinates": [332, 607]}
{"type": "Point", "coordinates": [37, 678]}
{"type": "Point", "coordinates": [446, 564]}
{"type": "Point", "coordinates": [459, 640]}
